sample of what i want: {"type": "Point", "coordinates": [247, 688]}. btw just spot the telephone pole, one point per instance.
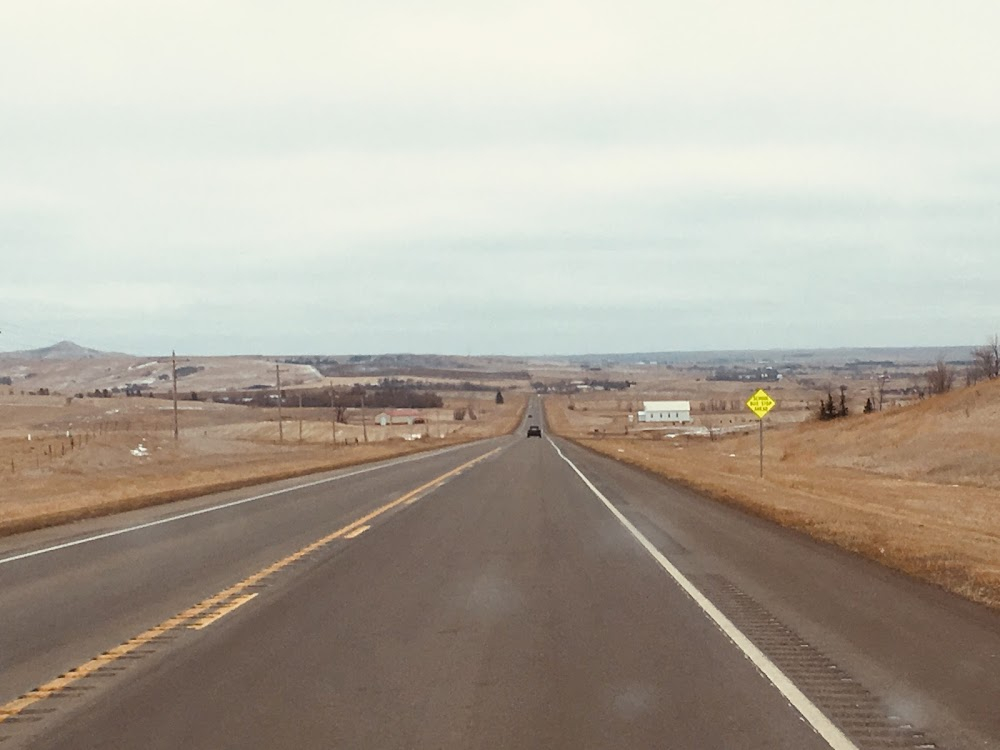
{"type": "Point", "coordinates": [333, 416]}
{"type": "Point", "coordinates": [173, 368]}
{"type": "Point", "coordinates": [281, 429]}
{"type": "Point", "coordinates": [364, 426]}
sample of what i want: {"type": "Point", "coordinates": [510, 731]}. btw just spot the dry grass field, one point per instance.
{"type": "Point", "coordinates": [916, 488]}
{"type": "Point", "coordinates": [90, 457]}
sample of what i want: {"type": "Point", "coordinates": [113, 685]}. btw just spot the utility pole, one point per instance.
{"type": "Point", "coordinates": [333, 416]}
{"type": "Point", "coordinates": [364, 426]}
{"type": "Point", "coordinates": [173, 368]}
{"type": "Point", "coordinates": [281, 429]}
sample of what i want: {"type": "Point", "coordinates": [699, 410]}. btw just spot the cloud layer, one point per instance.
{"type": "Point", "coordinates": [536, 177]}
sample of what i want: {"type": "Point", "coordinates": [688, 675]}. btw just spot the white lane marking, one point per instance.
{"type": "Point", "coordinates": [357, 532]}
{"type": "Point", "coordinates": [816, 718]}
{"type": "Point", "coordinates": [223, 506]}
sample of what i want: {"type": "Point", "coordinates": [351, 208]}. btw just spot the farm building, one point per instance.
{"type": "Point", "coordinates": [665, 411]}
{"type": "Point", "coordinates": [399, 416]}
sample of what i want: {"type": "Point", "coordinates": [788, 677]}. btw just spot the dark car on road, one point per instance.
{"type": "Point", "coordinates": [534, 431]}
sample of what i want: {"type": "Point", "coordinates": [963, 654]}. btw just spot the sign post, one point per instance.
{"type": "Point", "coordinates": [760, 404]}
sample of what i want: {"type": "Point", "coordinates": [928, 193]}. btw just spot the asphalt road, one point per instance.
{"type": "Point", "coordinates": [514, 593]}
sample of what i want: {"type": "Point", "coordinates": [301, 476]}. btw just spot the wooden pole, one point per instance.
{"type": "Point", "coordinates": [173, 368]}
{"type": "Point", "coordinates": [333, 416]}
{"type": "Point", "coordinates": [364, 426]}
{"type": "Point", "coordinates": [281, 428]}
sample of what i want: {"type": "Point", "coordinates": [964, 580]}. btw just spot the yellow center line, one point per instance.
{"type": "Point", "coordinates": [357, 532]}
{"type": "Point", "coordinates": [204, 622]}
{"type": "Point", "coordinates": [231, 599]}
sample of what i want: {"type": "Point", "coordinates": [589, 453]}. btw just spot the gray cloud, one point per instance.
{"type": "Point", "coordinates": [535, 177]}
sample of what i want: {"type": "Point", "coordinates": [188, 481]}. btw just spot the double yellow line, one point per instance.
{"type": "Point", "coordinates": [214, 607]}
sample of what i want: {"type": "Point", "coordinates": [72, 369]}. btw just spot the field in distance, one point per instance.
{"type": "Point", "coordinates": [93, 448]}
{"type": "Point", "coordinates": [914, 486]}
{"type": "Point", "coordinates": [90, 433]}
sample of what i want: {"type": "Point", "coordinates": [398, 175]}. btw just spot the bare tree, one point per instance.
{"type": "Point", "coordinates": [982, 364]}
{"type": "Point", "coordinates": [986, 358]}
{"type": "Point", "coordinates": [941, 378]}
{"type": "Point", "coordinates": [986, 361]}
{"type": "Point", "coordinates": [881, 388]}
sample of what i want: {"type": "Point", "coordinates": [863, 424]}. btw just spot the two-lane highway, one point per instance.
{"type": "Point", "coordinates": [72, 592]}
{"type": "Point", "coordinates": [514, 593]}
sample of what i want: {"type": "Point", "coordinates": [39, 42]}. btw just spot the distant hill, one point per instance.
{"type": "Point", "coordinates": [948, 439]}
{"type": "Point", "coordinates": [879, 356]}
{"type": "Point", "coordinates": [64, 350]}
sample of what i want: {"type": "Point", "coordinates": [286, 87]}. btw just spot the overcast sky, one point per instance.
{"type": "Point", "coordinates": [518, 178]}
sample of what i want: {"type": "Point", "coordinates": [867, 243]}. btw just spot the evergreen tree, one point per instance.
{"type": "Point", "coordinates": [869, 406]}
{"type": "Point", "coordinates": [826, 408]}
{"type": "Point", "coordinates": [842, 412]}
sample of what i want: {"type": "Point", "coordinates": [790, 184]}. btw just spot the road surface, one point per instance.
{"type": "Point", "coordinates": [513, 593]}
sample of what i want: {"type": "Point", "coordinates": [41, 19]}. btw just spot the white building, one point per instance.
{"type": "Point", "coordinates": [665, 411]}
{"type": "Point", "coordinates": [400, 416]}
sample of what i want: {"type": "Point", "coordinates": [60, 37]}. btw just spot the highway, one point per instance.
{"type": "Point", "coordinates": [512, 593]}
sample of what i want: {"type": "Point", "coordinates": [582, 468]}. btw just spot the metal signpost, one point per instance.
{"type": "Point", "coordinates": [760, 404]}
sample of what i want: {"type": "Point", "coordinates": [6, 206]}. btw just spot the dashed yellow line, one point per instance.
{"type": "Point", "coordinates": [42, 692]}
{"type": "Point", "coordinates": [204, 622]}
{"type": "Point", "coordinates": [211, 609]}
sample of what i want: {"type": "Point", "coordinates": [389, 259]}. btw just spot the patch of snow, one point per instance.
{"type": "Point", "coordinates": [140, 451]}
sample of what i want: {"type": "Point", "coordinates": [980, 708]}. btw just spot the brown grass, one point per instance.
{"type": "Point", "coordinates": [116, 495]}
{"type": "Point", "coordinates": [100, 476]}
{"type": "Point", "coordinates": [913, 489]}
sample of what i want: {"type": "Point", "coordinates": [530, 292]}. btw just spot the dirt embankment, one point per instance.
{"type": "Point", "coordinates": [917, 489]}
{"type": "Point", "coordinates": [128, 461]}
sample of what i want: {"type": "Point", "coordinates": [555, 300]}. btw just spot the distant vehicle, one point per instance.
{"type": "Point", "coordinates": [534, 431]}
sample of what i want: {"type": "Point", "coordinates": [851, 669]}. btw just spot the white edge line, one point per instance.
{"type": "Point", "coordinates": [224, 506]}
{"type": "Point", "coordinates": [835, 738]}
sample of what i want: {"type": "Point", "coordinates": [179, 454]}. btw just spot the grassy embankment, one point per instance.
{"type": "Point", "coordinates": [916, 488]}
{"type": "Point", "coordinates": [103, 477]}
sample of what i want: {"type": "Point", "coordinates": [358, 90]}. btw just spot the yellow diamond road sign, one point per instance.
{"type": "Point", "coordinates": [760, 403]}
